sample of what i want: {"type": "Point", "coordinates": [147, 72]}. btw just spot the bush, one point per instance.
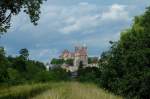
{"type": "Point", "coordinates": [88, 74]}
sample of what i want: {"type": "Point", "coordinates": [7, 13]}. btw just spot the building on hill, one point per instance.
{"type": "Point", "coordinates": [67, 55]}
{"type": "Point", "coordinates": [70, 61]}
{"type": "Point", "coordinates": [79, 57]}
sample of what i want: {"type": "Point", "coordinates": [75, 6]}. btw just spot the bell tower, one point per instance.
{"type": "Point", "coordinates": [81, 56]}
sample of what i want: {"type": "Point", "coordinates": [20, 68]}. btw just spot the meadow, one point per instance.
{"type": "Point", "coordinates": [59, 90]}
{"type": "Point", "coordinates": [23, 91]}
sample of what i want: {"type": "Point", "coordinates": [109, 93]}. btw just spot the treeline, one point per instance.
{"type": "Point", "coordinates": [20, 69]}
{"type": "Point", "coordinates": [59, 62]}
{"type": "Point", "coordinates": [125, 68]}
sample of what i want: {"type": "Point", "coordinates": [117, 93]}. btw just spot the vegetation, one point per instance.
{"type": "Point", "coordinates": [92, 60]}
{"type": "Point", "coordinates": [59, 62]}
{"type": "Point", "coordinates": [8, 8]}
{"type": "Point", "coordinates": [69, 62]}
{"type": "Point", "coordinates": [19, 69]}
{"type": "Point", "coordinates": [23, 91]}
{"type": "Point", "coordinates": [125, 68]}
{"type": "Point", "coordinates": [74, 90]}
{"type": "Point", "coordinates": [89, 74]}
{"type": "Point", "coordinates": [55, 61]}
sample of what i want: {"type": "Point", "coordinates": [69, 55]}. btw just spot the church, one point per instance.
{"type": "Point", "coordinates": [79, 56]}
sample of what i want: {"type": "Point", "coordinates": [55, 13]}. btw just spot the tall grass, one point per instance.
{"type": "Point", "coordinates": [59, 90]}
{"type": "Point", "coordinates": [23, 91]}
{"type": "Point", "coordinates": [76, 90]}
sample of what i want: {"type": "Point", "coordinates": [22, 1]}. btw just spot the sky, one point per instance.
{"type": "Point", "coordinates": [64, 24]}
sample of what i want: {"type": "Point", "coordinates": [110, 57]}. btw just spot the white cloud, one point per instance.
{"type": "Point", "coordinates": [91, 17]}
{"type": "Point", "coordinates": [84, 23]}
{"type": "Point", "coordinates": [116, 12]}
{"type": "Point", "coordinates": [82, 17]}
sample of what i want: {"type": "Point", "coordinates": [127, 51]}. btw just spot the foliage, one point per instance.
{"type": "Point", "coordinates": [8, 8]}
{"type": "Point", "coordinates": [59, 62]}
{"type": "Point", "coordinates": [55, 61]}
{"type": "Point", "coordinates": [69, 62]}
{"type": "Point", "coordinates": [13, 76]}
{"type": "Point", "coordinates": [23, 91]}
{"type": "Point", "coordinates": [3, 66]}
{"type": "Point", "coordinates": [20, 69]}
{"type": "Point", "coordinates": [92, 60]}
{"type": "Point", "coordinates": [24, 53]}
{"type": "Point", "coordinates": [88, 74]}
{"type": "Point", "coordinates": [43, 76]}
{"type": "Point", "coordinates": [125, 68]}
{"type": "Point", "coordinates": [59, 74]}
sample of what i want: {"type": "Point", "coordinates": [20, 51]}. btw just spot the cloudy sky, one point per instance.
{"type": "Point", "coordinates": [66, 23]}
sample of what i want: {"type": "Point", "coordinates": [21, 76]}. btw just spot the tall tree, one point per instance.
{"type": "Point", "coordinates": [126, 66]}
{"type": "Point", "coordinates": [3, 65]}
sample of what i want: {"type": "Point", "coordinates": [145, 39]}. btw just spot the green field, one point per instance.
{"type": "Point", "coordinates": [62, 90]}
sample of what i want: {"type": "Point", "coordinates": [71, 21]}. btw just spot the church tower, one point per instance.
{"type": "Point", "coordinates": [80, 56]}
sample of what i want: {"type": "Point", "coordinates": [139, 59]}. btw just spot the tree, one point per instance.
{"type": "Point", "coordinates": [13, 76]}
{"type": "Point", "coordinates": [8, 8]}
{"type": "Point", "coordinates": [69, 62]}
{"type": "Point", "coordinates": [3, 66]}
{"type": "Point", "coordinates": [126, 66]}
{"type": "Point", "coordinates": [24, 53]}
{"type": "Point", "coordinates": [2, 53]}
{"type": "Point", "coordinates": [55, 61]}
{"type": "Point", "coordinates": [88, 74]}
{"type": "Point", "coordinates": [20, 63]}
{"type": "Point", "coordinates": [59, 74]}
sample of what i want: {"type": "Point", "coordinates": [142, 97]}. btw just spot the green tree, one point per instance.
{"type": "Point", "coordinates": [55, 61]}
{"type": "Point", "coordinates": [126, 66]}
{"type": "Point", "coordinates": [69, 62]}
{"type": "Point", "coordinates": [24, 53]}
{"type": "Point", "coordinates": [3, 66]}
{"type": "Point", "coordinates": [59, 74]}
{"type": "Point", "coordinates": [8, 8]}
{"type": "Point", "coordinates": [33, 68]}
{"type": "Point", "coordinates": [88, 74]}
{"type": "Point", "coordinates": [13, 76]}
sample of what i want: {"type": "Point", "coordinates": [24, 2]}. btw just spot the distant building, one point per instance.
{"type": "Point", "coordinates": [70, 61]}
{"type": "Point", "coordinates": [67, 55]}
{"type": "Point", "coordinates": [79, 56]}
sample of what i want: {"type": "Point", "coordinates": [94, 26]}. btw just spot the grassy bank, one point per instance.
{"type": "Point", "coordinates": [74, 90]}
{"type": "Point", "coordinates": [23, 91]}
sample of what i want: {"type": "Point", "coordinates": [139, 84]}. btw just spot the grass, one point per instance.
{"type": "Point", "coordinates": [23, 91]}
{"type": "Point", "coordinates": [59, 90]}
{"type": "Point", "coordinates": [75, 90]}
